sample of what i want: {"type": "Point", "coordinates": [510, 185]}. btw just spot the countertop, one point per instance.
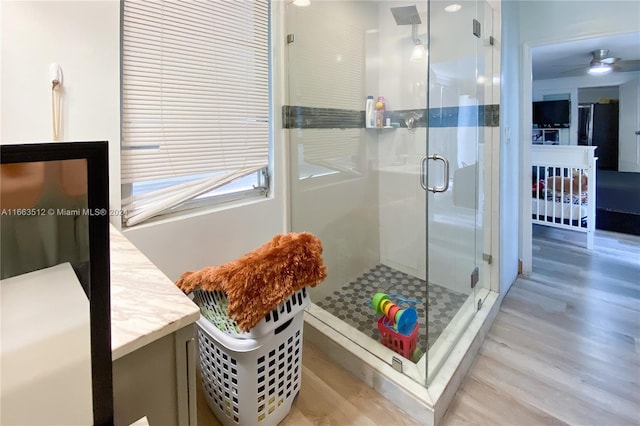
{"type": "Point", "coordinates": [145, 304]}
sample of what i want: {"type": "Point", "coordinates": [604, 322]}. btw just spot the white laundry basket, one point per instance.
{"type": "Point", "coordinates": [252, 378]}
{"type": "Point", "coordinates": [213, 306]}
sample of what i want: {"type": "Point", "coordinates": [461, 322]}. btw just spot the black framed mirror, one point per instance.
{"type": "Point", "coordinates": [55, 204]}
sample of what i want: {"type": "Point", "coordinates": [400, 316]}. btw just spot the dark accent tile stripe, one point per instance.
{"type": "Point", "coordinates": [299, 117]}
{"type": "Point", "coordinates": [465, 116]}
{"type": "Point", "coordinates": [492, 115]}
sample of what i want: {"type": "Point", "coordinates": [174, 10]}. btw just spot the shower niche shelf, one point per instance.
{"type": "Point", "coordinates": [383, 128]}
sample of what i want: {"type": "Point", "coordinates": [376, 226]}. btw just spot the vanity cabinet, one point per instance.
{"type": "Point", "coordinates": [153, 341]}
{"type": "Point", "coordinates": [157, 381]}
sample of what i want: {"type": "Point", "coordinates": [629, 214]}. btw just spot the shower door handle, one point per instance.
{"type": "Point", "coordinates": [423, 172]}
{"type": "Point", "coordinates": [423, 167]}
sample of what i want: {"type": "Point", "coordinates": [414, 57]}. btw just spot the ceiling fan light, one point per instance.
{"type": "Point", "coordinates": [599, 69]}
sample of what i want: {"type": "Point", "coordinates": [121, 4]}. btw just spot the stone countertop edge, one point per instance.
{"type": "Point", "coordinates": [145, 304]}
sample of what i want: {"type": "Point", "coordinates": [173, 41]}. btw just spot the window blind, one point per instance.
{"type": "Point", "coordinates": [195, 89]}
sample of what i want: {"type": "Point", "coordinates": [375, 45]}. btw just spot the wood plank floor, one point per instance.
{"type": "Point", "coordinates": [565, 347]}
{"type": "Point", "coordinates": [329, 395]}
{"type": "Point", "coordinates": [563, 350]}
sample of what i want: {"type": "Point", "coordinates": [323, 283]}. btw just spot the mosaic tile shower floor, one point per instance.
{"type": "Point", "coordinates": [352, 302]}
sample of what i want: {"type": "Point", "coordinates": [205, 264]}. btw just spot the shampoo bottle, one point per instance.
{"type": "Point", "coordinates": [370, 113]}
{"type": "Point", "coordinates": [380, 111]}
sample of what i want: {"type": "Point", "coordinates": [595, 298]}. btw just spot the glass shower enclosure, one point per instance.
{"type": "Point", "coordinates": [401, 203]}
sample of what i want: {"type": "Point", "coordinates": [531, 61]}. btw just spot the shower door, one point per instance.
{"type": "Point", "coordinates": [456, 169]}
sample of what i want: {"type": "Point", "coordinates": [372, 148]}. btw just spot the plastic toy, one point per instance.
{"type": "Point", "coordinates": [407, 346]}
{"type": "Point", "coordinates": [402, 319]}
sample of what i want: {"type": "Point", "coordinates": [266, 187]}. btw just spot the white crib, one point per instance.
{"type": "Point", "coordinates": [564, 188]}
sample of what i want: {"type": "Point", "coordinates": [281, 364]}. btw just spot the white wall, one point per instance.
{"type": "Point", "coordinates": [510, 111]}
{"type": "Point", "coordinates": [84, 38]}
{"type": "Point", "coordinates": [546, 22]}
{"type": "Point", "coordinates": [551, 21]}
{"type": "Point", "coordinates": [208, 238]}
{"type": "Point", "coordinates": [592, 95]}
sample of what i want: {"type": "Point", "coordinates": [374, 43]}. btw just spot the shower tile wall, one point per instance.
{"type": "Point", "coordinates": [402, 204]}
{"type": "Point", "coordinates": [328, 84]}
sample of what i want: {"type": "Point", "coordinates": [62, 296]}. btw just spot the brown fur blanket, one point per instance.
{"type": "Point", "coordinates": [260, 280]}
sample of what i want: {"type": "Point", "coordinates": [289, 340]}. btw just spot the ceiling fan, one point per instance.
{"type": "Point", "coordinates": [603, 63]}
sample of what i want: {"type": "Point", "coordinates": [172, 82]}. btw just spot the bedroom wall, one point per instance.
{"type": "Point", "coordinates": [591, 95]}
{"type": "Point", "coordinates": [84, 38]}
{"type": "Point", "coordinates": [547, 22]}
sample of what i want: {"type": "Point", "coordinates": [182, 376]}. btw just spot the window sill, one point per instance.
{"type": "Point", "coordinates": [198, 212]}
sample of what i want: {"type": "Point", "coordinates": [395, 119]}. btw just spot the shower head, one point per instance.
{"type": "Point", "coordinates": [406, 15]}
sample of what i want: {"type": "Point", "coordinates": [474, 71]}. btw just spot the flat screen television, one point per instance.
{"type": "Point", "coordinates": [552, 114]}
{"type": "Point", "coordinates": [54, 199]}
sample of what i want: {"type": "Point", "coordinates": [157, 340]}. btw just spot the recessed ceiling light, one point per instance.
{"type": "Point", "coordinates": [453, 7]}
{"type": "Point", "coordinates": [301, 3]}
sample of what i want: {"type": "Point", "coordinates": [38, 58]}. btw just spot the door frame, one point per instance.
{"type": "Point", "coordinates": [526, 124]}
